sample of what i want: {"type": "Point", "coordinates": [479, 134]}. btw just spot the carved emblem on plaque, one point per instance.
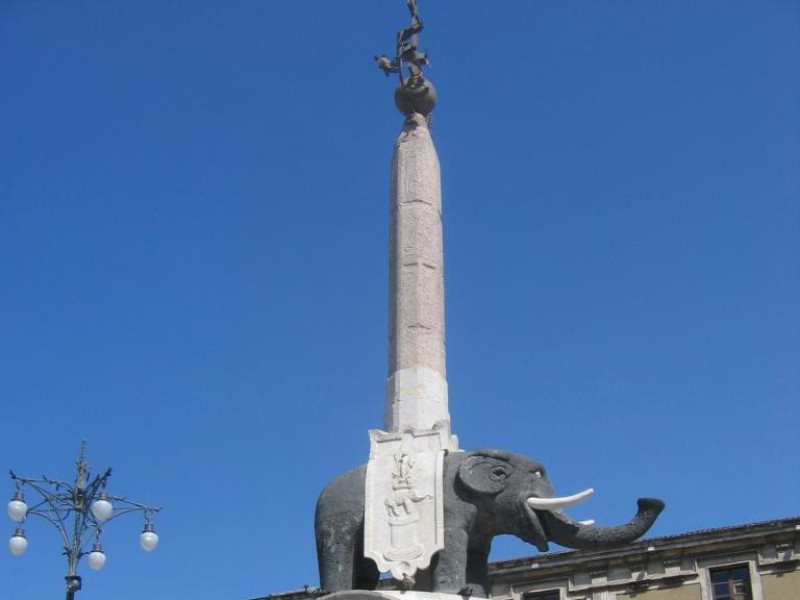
{"type": "Point", "coordinates": [404, 524]}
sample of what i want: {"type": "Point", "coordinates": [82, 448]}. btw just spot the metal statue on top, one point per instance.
{"type": "Point", "coordinates": [414, 93]}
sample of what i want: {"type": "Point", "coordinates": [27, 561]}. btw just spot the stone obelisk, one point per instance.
{"type": "Point", "coordinates": [416, 390]}
{"type": "Point", "coordinates": [404, 512]}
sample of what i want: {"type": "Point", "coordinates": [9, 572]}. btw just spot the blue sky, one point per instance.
{"type": "Point", "coordinates": [193, 250]}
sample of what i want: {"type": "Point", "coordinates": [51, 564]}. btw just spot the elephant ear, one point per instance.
{"type": "Point", "coordinates": [485, 471]}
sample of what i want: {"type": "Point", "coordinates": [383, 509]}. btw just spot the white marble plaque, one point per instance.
{"type": "Point", "coordinates": [404, 514]}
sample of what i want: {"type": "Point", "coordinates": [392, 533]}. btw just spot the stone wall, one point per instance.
{"type": "Point", "coordinates": [781, 586]}
{"type": "Point", "coordinates": [684, 592]}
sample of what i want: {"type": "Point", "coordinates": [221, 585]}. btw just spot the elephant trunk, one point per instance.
{"type": "Point", "coordinates": [572, 534]}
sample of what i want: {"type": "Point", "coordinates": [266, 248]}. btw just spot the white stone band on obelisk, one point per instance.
{"type": "Point", "coordinates": [416, 391]}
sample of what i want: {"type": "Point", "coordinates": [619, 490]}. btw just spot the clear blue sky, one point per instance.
{"type": "Point", "coordinates": [193, 257]}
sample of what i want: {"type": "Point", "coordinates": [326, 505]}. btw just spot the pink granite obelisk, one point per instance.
{"type": "Point", "coordinates": [416, 390]}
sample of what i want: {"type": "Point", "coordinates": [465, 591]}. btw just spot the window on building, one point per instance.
{"type": "Point", "coordinates": [731, 583]}
{"type": "Point", "coordinates": [548, 595]}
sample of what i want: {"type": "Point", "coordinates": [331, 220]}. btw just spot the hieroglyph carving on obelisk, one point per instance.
{"type": "Point", "coordinates": [404, 523]}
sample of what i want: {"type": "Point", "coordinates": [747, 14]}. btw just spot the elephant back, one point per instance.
{"type": "Point", "coordinates": [345, 494]}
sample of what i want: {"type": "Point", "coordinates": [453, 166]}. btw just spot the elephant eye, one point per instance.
{"type": "Point", "coordinates": [538, 473]}
{"type": "Point", "coordinates": [498, 473]}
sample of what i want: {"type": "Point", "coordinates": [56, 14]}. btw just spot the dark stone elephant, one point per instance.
{"type": "Point", "coordinates": [486, 493]}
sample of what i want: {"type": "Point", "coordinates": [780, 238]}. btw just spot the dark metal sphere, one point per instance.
{"type": "Point", "coordinates": [415, 95]}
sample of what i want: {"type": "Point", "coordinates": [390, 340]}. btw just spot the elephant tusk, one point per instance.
{"type": "Point", "coordinates": [558, 503]}
{"type": "Point", "coordinates": [587, 522]}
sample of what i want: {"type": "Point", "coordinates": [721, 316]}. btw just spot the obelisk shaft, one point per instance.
{"type": "Point", "coordinates": [416, 391]}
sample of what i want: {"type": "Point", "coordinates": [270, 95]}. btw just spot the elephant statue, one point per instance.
{"type": "Point", "coordinates": [487, 492]}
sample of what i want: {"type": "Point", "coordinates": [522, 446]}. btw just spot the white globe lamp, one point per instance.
{"type": "Point", "coordinates": [17, 509]}
{"type": "Point", "coordinates": [149, 538]}
{"type": "Point", "coordinates": [18, 544]}
{"type": "Point", "coordinates": [96, 558]}
{"type": "Point", "coordinates": [102, 509]}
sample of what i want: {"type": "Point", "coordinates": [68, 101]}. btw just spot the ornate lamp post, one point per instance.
{"type": "Point", "coordinates": [79, 512]}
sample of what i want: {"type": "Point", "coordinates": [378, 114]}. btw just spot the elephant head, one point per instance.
{"type": "Point", "coordinates": [519, 500]}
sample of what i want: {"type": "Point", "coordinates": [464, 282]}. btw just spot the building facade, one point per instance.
{"type": "Point", "coordinates": [758, 561]}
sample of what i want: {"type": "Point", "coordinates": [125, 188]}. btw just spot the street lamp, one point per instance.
{"type": "Point", "coordinates": [78, 512]}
